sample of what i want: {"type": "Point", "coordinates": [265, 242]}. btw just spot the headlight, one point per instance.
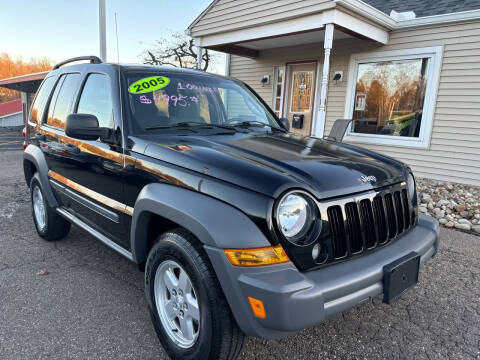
{"type": "Point", "coordinates": [295, 217]}
{"type": "Point", "coordinates": [411, 186]}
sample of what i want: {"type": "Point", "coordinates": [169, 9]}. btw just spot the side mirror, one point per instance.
{"type": "Point", "coordinates": [85, 127]}
{"type": "Point", "coordinates": [285, 123]}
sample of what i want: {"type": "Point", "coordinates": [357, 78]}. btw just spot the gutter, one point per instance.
{"type": "Point", "coordinates": [441, 19]}
{"type": "Point", "coordinates": [369, 12]}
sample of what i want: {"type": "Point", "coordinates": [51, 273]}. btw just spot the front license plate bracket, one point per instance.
{"type": "Point", "coordinates": [400, 276]}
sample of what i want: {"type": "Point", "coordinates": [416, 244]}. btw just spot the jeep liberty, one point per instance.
{"type": "Point", "coordinates": [241, 227]}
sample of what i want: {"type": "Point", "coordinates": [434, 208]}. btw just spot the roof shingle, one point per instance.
{"type": "Point", "coordinates": [425, 7]}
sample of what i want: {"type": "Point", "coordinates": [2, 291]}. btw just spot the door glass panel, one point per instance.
{"type": "Point", "coordinates": [38, 106]}
{"type": "Point", "coordinates": [63, 103]}
{"type": "Point", "coordinates": [96, 99]}
{"type": "Point", "coordinates": [279, 73]}
{"type": "Point", "coordinates": [53, 100]}
{"type": "Point", "coordinates": [301, 94]}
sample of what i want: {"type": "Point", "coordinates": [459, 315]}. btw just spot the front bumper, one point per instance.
{"type": "Point", "coordinates": [294, 300]}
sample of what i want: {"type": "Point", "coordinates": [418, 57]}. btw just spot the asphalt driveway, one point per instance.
{"type": "Point", "coordinates": [11, 138]}
{"type": "Point", "coordinates": [90, 303]}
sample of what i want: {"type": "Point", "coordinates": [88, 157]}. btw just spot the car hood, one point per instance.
{"type": "Point", "coordinates": [272, 163]}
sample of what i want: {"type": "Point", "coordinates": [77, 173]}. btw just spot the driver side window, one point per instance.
{"type": "Point", "coordinates": [96, 99]}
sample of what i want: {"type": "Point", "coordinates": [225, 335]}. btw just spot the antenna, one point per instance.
{"type": "Point", "coordinates": [116, 34]}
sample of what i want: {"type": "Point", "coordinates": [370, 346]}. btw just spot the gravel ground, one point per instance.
{"type": "Point", "coordinates": [454, 205]}
{"type": "Point", "coordinates": [91, 304]}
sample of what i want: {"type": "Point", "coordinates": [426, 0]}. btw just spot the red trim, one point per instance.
{"type": "Point", "coordinates": [10, 107]}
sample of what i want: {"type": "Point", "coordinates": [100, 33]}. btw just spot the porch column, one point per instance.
{"type": "Point", "coordinates": [199, 57]}
{"type": "Point", "coordinates": [327, 44]}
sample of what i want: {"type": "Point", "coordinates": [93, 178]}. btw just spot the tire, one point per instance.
{"type": "Point", "coordinates": [50, 225]}
{"type": "Point", "coordinates": [217, 333]}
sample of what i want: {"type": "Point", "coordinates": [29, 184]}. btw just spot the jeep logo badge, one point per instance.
{"type": "Point", "coordinates": [368, 179]}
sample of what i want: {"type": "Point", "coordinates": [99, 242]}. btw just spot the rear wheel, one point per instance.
{"type": "Point", "coordinates": [188, 309]}
{"type": "Point", "coordinates": [48, 223]}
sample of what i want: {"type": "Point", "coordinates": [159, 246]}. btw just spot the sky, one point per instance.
{"type": "Point", "coordinates": [61, 29]}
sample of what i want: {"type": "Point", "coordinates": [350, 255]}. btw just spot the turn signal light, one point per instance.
{"type": "Point", "coordinates": [257, 257]}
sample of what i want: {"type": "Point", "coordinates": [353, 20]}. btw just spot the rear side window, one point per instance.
{"type": "Point", "coordinates": [96, 99]}
{"type": "Point", "coordinates": [41, 99]}
{"type": "Point", "coordinates": [62, 100]}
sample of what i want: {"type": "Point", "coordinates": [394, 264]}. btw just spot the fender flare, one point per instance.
{"type": "Point", "coordinates": [214, 223]}
{"type": "Point", "coordinates": [33, 154]}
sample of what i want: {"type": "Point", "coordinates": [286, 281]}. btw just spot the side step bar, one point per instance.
{"type": "Point", "coordinates": [74, 220]}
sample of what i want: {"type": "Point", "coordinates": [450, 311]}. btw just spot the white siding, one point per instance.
{"type": "Point", "coordinates": [12, 120]}
{"type": "Point", "coordinates": [454, 152]}
{"type": "Point", "coordinates": [229, 15]}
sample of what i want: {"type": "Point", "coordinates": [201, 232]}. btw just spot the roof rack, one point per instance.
{"type": "Point", "coordinates": [93, 60]}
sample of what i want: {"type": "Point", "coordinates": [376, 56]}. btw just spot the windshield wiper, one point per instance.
{"type": "Point", "coordinates": [190, 124]}
{"type": "Point", "coordinates": [185, 124]}
{"type": "Point", "coordinates": [254, 123]}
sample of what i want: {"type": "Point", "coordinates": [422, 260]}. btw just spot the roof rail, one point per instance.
{"type": "Point", "coordinates": [93, 60]}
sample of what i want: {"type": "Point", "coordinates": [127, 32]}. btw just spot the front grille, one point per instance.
{"type": "Point", "coordinates": [337, 228]}
{"type": "Point", "coordinates": [366, 222]}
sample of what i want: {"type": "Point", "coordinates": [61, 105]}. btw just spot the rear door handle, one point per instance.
{"type": "Point", "coordinates": [38, 137]}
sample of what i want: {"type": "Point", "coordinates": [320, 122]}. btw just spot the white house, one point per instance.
{"type": "Point", "coordinates": [11, 113]}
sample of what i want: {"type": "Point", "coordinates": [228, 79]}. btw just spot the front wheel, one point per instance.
{"type": "Point", "coordinates": [188, 309]}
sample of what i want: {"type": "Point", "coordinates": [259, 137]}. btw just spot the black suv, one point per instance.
{"type": "Point", "coordinates": [240, 226]}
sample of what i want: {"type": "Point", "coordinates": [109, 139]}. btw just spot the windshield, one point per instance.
{"type": "Point", "coordinates": [162, 100]}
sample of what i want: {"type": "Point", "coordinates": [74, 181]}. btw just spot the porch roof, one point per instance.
{"type": "Point", "coordinates": [221, 26]}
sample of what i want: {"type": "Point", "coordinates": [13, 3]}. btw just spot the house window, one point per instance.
{"type": "Point", "coordinates": [392, 98]}
{"type": "Point", "coordinates": [279, 81]}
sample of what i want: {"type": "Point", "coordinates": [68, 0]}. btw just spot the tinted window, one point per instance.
{"type": "Point", "coordinates": [41, 99]}
{"type": "Point", "coordinates": [53, 100]}
{"type": "Point", "coordinates": [64, 93]}
{"type": "Point", "coordinates": [96, 99]}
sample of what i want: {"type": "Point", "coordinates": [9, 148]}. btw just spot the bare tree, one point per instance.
{"type": "Point", "coordinates": [179, 51]}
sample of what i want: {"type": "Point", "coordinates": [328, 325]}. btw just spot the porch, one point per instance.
{"type": "Point", "coordinates": [288, 62]}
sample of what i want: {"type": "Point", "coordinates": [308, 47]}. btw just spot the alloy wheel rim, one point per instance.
{"type": "Point", "coordinates": [39, 208]}
{"type": "Point", "coordinates": [177, 304]}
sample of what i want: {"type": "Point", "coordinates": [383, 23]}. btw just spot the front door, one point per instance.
{"type": "Point", "coordinates": [300, 97]}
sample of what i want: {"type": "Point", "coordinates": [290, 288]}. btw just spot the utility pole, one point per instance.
{"type": "Point", "coordinates": [102, 30]}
